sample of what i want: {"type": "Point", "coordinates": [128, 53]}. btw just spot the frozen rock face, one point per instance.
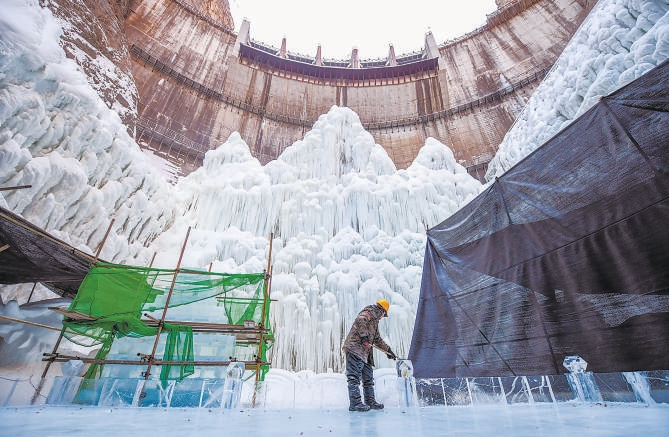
{"type": "Point", "coordinates": [349, 229]}
{"type": "Point", "coordinates": [618, 42]}
{"type": "Point", "coordinates": [94, 36]}
{"type": "Point", "coordinates": [57, 135]}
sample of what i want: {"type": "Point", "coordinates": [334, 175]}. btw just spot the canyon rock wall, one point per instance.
{"type": "Point", "coordinates": [94, 36]}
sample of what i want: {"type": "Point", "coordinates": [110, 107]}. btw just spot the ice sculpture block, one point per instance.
{"type": "Point", "coordinates": [582, 383]}
{"type": "Point", "coordinates": [406, 384]}
{"type": "Point", "coordinates": [232, 389]}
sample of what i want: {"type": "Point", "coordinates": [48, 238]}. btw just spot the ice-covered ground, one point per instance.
{"type": "Point", "coordinates": [348, 226]}
{"type": "Point", "coordinates": [534, 421]}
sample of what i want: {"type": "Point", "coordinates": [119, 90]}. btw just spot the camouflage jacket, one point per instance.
{"type": "Point", "coordinates": [366, 329]}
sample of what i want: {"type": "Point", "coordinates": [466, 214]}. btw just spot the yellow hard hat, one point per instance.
{"type": "Point", "coordinates": [384, 304]}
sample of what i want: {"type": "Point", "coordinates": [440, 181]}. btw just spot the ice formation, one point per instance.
{"type": "Point", "coordinates": [57, 135]}
{"type": "Point", "coordinates": [618, 42]}
{"type": "Point", "coordinates": [349, 228]}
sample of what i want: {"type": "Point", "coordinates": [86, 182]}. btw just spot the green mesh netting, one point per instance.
{"type": "Point", "coordinates": [118, 296]}
{"type": "Point", "coordinates": [238, 309]}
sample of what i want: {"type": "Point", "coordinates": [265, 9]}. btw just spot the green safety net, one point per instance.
{"type": "Point", "coordinates": [117, 297]}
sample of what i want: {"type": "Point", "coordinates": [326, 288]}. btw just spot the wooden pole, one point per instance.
{"type": "Point", "coordinates": [64, 358]}
{"type": "Point", "coordinates": [60, 336]}
{"type": "Point", "coordinates": [31, 292]}
{"type": "Point", "coordinates": [46, 368]}
{"type": "Point", "coordinates": [18, 187]}
{"type": "Point", "coordinates": [266, 294]}
{"type": "Point", "coordinates": [39, 325]}
{"type": "Point", "coordinates": [104, 240]}
{"type": "Point", "coordinates": [167, 303]}
{"type": "Point", "coordinates": [267, 278]}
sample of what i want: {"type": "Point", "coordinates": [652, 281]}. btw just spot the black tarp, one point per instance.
{"type": "Point", "coordinates": [567, 253]}
{"type": "Point", "coordinates": [33, 255]}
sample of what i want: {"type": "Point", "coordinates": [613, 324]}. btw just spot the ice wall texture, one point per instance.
{"type": "Point", "coordinates": [22, 345]}
{"type": "Point", "coordinates": [58, 136]}
{"type": "Point", "coordinates": [617, 43]}
{"type": "Point", "coordinates": [349, 227]}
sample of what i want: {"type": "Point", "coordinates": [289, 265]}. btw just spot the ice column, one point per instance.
{"type": "Point", "coordinates": [406, 385]}
{"type": "Point", "coordinates": [640, 386]}
{"type": "Point", "coordinates": [65, 388]}
{"type": "Point", "coordinates": [232, 389]}
{"type": "Point", "coordinates": [581, 382]}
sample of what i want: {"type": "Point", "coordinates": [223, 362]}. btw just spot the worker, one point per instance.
{"type": "Point", "coordinates": [358, 345]}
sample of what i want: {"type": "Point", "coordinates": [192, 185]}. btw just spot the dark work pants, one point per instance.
{"type": "Point", "coordinates": [357, 370]}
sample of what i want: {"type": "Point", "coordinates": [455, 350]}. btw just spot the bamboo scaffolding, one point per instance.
{"type": "Point", "coordinates": [62, 332]}
{"type": "Point", "coordinates": [266, 298]}
{"type": "Point", "coordinates": [61, 358]}
{"type": "Point", "coordinates": [266, 294]}
{"type": "Point", "coordinates": [244, 334]}
{"type": "Point", "coordinates": [161, 323]}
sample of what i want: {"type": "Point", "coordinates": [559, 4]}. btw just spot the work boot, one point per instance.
{"type": "Point", "coordinates": [355, 399]}
{"type": "Point", "coordinates": [359, 407]}
{"type": "Point", "coordinates": [369, 399]}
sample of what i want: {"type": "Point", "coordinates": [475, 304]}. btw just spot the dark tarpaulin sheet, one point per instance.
{"type": "Point", "coordinates": [567, 253]}
{"type": "Point", "coordinates": [33, 255]}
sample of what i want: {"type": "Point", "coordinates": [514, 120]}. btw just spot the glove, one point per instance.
{"type": "Point", "coordinates": [365, 342]}
{"type": "Point", "coordinates": [391, 355]}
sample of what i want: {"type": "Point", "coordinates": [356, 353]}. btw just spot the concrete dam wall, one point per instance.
{"type": "Point", "coordinates": [197, 80]}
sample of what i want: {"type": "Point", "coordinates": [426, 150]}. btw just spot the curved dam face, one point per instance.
{"type": "Point", "coordinates": [197, 81]}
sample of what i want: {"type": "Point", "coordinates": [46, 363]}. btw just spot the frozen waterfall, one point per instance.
{"type": "Point", "coordinates": [349, 230]}
{"type": "Point", "coordinates": [349, 227]}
